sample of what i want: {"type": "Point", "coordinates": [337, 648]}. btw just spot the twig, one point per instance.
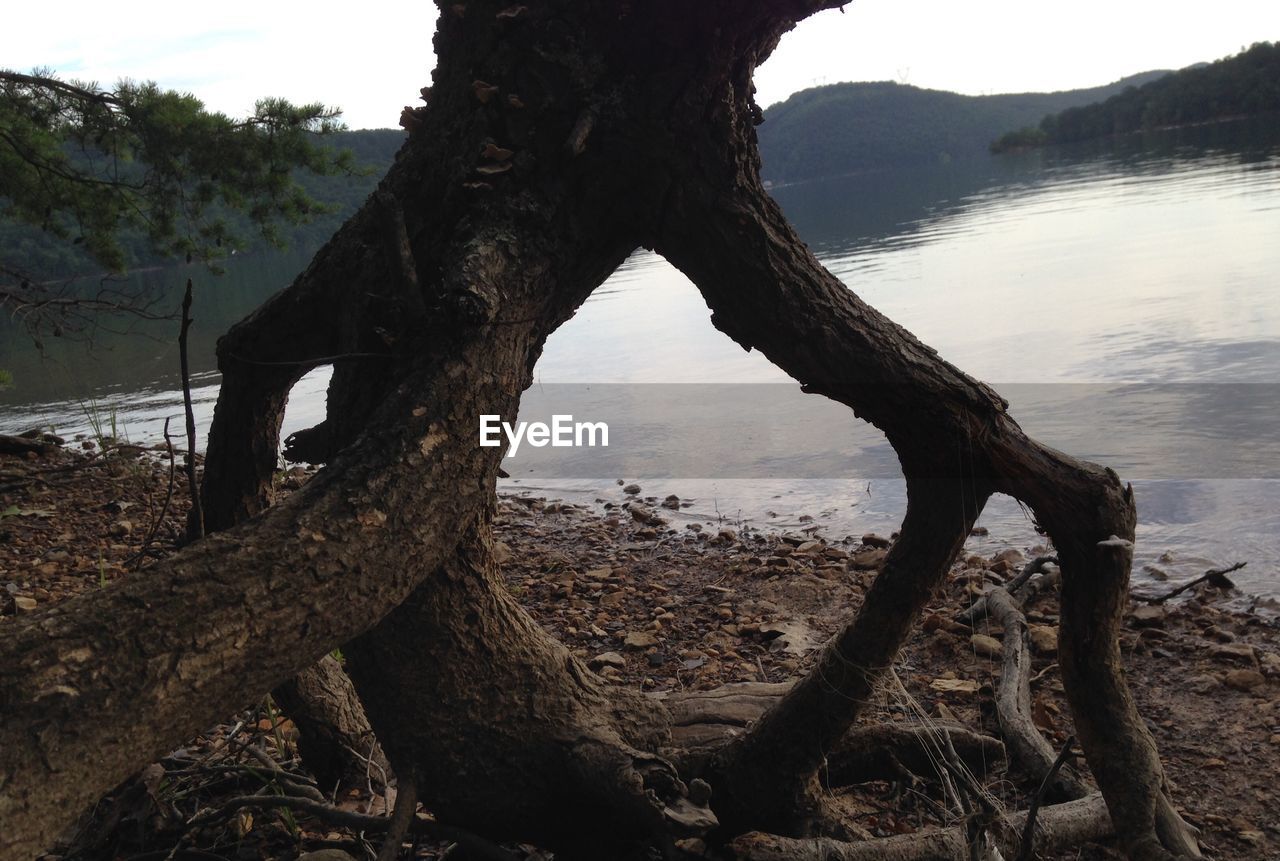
{"type": "Point", "coordinates": [1216, 576]}
{"type": "Point", "coordinates": [1029, 830]}
{"type": "Point", "coordinates": [195, 522]}
{"type": "Point", "coordinates": [474, 844]}
{"type": "Point", "coordinates": [164, 509]}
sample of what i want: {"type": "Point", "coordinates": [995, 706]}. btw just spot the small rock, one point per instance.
{"type": "Point", "coordinates": [867, 559]}
{"type": "Point", "coordinates": [985, 646]}
{"type": "Point", "coordinates": [24, 604]}
{"type": "Point", "coordinates": [955, 686]}
{"type": "Point", "coordinates": [979, 531]}
{"type": "Point", "coordinates": [1241, 652]}
{"type": "Point", "coordinates": [1270, 663]}
{"type": "Point", "coordinates": [725, 536]}
{"type": "Point", "coordinates": [326, 855]}
{"type": "Point", "coordinates": [631, 489]}
{"type": "Point", "coordinates": [1155, 573]}
{"type": "Point", "coordinates": [1243, 680]}
{"type": "Point", "coordinates": [647, 517]}
{"type": "Point", "coordinates": [1044, 639]}
{"type": "Point", "coordinates": [873, 540]}
{"type": "Point", "coordinates": [672, 502]}
{"type": "Point", "coordinates": [120, 528]}
{"type": "Point", "coordinates": [640, 640]}
{"type": "Point", "coordinates": [607, 659]}
{"type": "Point", "coordinates": [1203, 684]}
{"type": "Point", "coordinates": [1148, 616]}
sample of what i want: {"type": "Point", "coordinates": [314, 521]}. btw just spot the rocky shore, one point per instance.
{"type": "Point", "coordinates": [657, 604]}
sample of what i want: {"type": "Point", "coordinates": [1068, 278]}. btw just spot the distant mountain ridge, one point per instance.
{"type": "Point", "coordinates": [846, 128]}
{"type": "Point", "coordinates": [1243, 85]}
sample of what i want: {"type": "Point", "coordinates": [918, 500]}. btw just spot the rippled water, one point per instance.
{"type": "Point", "coordinates": [1053, 275]}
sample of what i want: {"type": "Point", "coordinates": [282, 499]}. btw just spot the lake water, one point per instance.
{"type": "Point", "coordinates": [1122, 297]}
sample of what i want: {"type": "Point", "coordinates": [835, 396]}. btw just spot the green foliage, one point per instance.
{"type": "Point", "coordinates": [1245, 84]}
{"type": "Point", "coordinates": [848, 128]}
{"type": "Point", "coordinates": [6, 379]}
{"type": "Point", "coordinates": [337, 196]}
{"type": "Point", "coordinates": [1023, 138]}
{"type": "Point", "coordinates": [82, 163]}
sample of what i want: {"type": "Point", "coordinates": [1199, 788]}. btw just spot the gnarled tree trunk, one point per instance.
{"type": "Point", "coordinates": [557, 138]}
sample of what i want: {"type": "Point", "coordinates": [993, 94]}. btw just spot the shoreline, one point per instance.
{"type": "Point", "coordinates": [653, 603]}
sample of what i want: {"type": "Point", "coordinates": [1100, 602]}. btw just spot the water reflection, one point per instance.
{"type": "Point", "coordinates": [1145, 261]}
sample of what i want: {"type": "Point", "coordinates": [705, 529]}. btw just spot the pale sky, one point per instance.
{"type": "Point", "coordinates": [371, 58]}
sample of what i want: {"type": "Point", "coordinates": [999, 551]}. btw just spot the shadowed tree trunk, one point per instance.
{"type": "Point", "coordinates": [557, 138]}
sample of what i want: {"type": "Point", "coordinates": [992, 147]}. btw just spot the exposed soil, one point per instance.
{"type": "Point", "coordinates": [661, 608]}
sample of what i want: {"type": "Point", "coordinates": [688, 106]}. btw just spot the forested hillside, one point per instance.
{"type": "Point", "coordinates": [845, 128]}
{"type": "Point", "coordinates": [45, 256]}
{"type": "Point", "coordinates": [1245, 84]}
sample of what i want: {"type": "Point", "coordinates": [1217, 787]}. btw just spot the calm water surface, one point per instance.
{"type": "Point", "coordinates": [1147, 268]}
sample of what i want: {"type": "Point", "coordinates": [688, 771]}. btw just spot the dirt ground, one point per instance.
{"type": "Point", "coordinates": [656, 603]}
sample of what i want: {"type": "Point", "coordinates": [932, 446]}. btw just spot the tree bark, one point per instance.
{"type": "Point", "coordinates": [335, 740]}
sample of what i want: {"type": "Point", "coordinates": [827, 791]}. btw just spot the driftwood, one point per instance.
{"type": "Point", "coordinates": [1013, 702]}
{"type": "Point", "coordinates": [1216, 576]}
{"type": "Point", "coordinates": [22, 445]}
{"type": "Point", "coordinates": [1028, 747]}
{"type": "Point", "coordinates": [1021, 587]}
{"type": "Point", "coordinates": [1057, 827]}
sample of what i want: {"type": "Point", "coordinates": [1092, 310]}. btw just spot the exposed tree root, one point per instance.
{"type": "Point", "coordinates": [334, 737]}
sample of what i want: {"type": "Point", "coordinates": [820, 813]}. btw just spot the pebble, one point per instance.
{"type": "Point", "coordinates": [631, 489]}
{"type": "Point", "coordinates": [873, 540]}
{"type": "Point", "coordinates": [1148, 616]}
{"type": "Point", "coordinates": [326, 855]}
{"type": "Point", "coordinates": [1203, 684]}
{"type": "Point", "coordinates": [1233, 652]}
{"type": "Point", "coordinates": [1243, 680]}
{"type": "Point", "coordinates": [867, 559]}
{"type": "Point", "coordinates": [1044, 639]}
{"type": "Point", "coordinates": [986, 646]}
{"type": "Point", "coordinates": [607, 659]}
{"type": "Point", "coordinates": [640, 640]}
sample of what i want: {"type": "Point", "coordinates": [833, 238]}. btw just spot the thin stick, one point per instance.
{"type": "Point", "coordinates": [195, 522]}
{"type": "Point", "coordinates": [482, 849]}
{"type": "Point", "coordinates": [164, 509]}
{"type": "Point", "coordinates": [1215, 574]}
{"type": "Point", "coordinates": [1029, 830]}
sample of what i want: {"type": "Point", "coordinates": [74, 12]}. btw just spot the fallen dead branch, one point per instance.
{"type": "Point", "coordinates": [1021, 587]}
{"type": "Point", "coordinates": [1013, 702]}
{"type": "Point", "coordinates": [476, 847]}
{"type": "Point", "coordinates": [1056, 827]}
{"type": "Point", "coordinates": [1215, 576]}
